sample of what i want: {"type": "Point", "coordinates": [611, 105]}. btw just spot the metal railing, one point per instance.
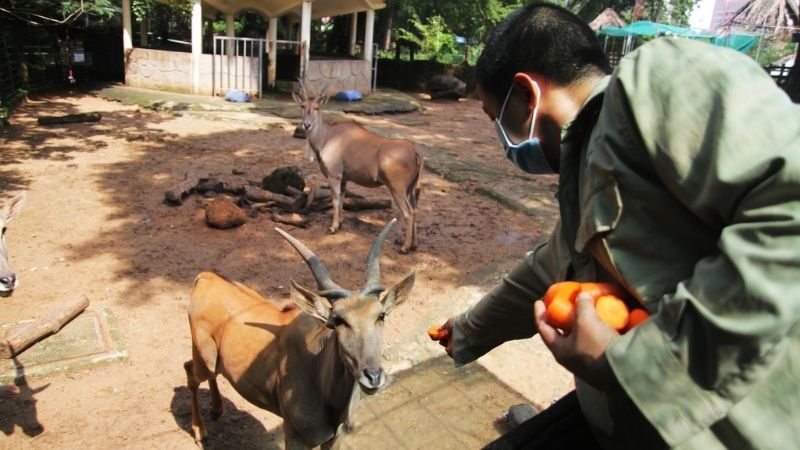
{"type": "Point", "coordinates": [237, 63]}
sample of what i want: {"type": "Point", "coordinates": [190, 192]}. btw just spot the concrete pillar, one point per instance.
{"type": "Point", "coordinates": [143, 29]}
{"type": "Point", "coordinates": [368, 34]}
{"type": "Point", "coordinates": [305, 35]}
{"type": "Point", "coordinates": [197, 43]}
{"type": "Point", "coordinates": [272, 48]}
{"type": "Point", "coordinates": [229, 32]}
{"type": "Point", "coordinates": [353, 33]}
{"type": "Point", "coordinates": [127, 29]}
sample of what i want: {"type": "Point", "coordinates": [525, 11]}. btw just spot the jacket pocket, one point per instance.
{"type": "Point", "coordinates": [601, 209]}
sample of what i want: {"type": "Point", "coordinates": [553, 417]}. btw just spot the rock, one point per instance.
{"type": "Point", "coordinates": [282, 177]}
{"type": "Point", "coordinates": [222, 213]}
{"type": "Point", "coordinates": [517, 414]}
{"type": "Point", "coordinates": [446, 86]}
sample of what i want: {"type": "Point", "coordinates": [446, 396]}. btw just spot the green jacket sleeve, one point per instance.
{"type": "Point", "coordinates": [725, 141]}
{"type": "Point", "coordinates": [506, 312]}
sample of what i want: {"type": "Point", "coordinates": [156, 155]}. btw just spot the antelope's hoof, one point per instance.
{"type": "Point", "coordinates": [333, 230]}
{"type": "Point", "coordinates": [200, 435]}
{"type": "Point", "coordinates": [407, 250]}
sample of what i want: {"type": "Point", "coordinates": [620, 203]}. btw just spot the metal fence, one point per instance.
{"type": "Point", "coordinates": [237, 63]}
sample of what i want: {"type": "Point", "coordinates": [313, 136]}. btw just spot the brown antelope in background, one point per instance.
{"type": "Point", "coordinates": [346, 151]}
{"type": "Point", "coordinates": [8, 279]}
{"type": "Point", "coordinates": [306, 363]}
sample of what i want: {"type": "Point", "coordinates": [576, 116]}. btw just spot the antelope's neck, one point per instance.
{"type": "Point", "coordinates": [317, 135]}
{"type": "Point", "coordinates": [335, 382]}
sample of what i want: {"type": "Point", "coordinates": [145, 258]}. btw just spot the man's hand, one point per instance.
{"type": "Point", "coordinates": [446, 333]}
{"type": "Point", "coordinates": [582, 351]}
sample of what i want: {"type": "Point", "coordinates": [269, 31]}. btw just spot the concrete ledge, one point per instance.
{"type": "Point", "coordinates": [91, 339]}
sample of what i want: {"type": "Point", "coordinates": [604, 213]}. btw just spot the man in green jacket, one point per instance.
{"type": "Point", "coordinates": [680, 181]}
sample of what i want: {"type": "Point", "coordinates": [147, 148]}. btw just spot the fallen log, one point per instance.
{"type": "Point", "coordinates": [294, 192]}
{"type": "Point", "coordinates": [69, 118]}
{"type": "Point", "coordinates": [357, 204]}
{"type": "Point", "coordinates": [350, 204]}
{"type": "Point", "coordinates": [219, 185]}
{"type": "Point", "coordinates": [18, 340]}
{"type": "Point", "coordinates": [258, 195]}
{"type": "Point", "coordinates": [290, 219]}
{"type": "Point", "coordinates": [177, 192]}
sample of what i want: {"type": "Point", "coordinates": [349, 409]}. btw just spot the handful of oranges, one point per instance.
{"type": "Point", "coordinates": [560, 302]}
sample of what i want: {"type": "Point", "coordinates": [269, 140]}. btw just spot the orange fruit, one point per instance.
{"type": "Point", "coordinates": [597, 290]}
{"type": "Point", "coordinates": [637, 316]}
{"type": "Point", "coordinates": [438, 333]}
{"type": "Point", "coordinates": [564, 290]}
{"type": "Point", "coordinates": [561, 313]}
{"type": "Point", "coordinates": [612, 311]}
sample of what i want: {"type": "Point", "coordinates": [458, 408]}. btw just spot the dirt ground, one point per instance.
{"type": "Point", "coordinates": [95, 224]}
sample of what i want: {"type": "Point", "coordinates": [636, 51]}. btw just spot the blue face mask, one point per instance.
{"type": "Point", "coordinates": [528, 155]}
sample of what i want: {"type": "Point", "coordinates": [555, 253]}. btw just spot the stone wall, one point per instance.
{"type": "Point", "coordinates": [172, 71]}
{"type": "Point", "coordinates": [340, 74]}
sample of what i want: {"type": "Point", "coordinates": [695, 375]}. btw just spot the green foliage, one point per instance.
{"type": "Point", "coordinates": [56, 12]}
{"type": "Point", "coordinates": [771, 49]}
{"type": "Point", "coordinates": [432, 37]}
{"type": "Point", "coordinates": [475, 19]}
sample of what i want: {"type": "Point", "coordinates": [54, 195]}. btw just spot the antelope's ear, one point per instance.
{"type": "Point", "coordinates": [310, 303]}
{"type": "Point", "coordinates": [13, 207]}
{"type": "Point", "coordinates": [322, 99]}
{"type": "Point", "coordinates": [297, 99]}
{"type": "Point", "coordinates": [398, 293]}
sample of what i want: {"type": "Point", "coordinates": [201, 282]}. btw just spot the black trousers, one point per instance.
{"type": "Point", "coordinates": [561, 426]}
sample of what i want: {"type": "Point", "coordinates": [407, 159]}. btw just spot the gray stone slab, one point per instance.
{"type": "Point", "coordinates": [90, 339]}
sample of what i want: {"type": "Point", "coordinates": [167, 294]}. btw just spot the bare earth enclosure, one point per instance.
{"type": "Point", "coordinates": [95, 223]}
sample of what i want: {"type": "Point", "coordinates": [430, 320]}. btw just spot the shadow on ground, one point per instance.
{"type": "Point", "coordinates": [233, 429]}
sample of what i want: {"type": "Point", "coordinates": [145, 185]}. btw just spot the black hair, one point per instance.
{"type": "Point", "coordinates": [544, 39]}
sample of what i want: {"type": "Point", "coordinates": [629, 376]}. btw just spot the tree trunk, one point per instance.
{"type": "Point", "coordinates": [387, 39]}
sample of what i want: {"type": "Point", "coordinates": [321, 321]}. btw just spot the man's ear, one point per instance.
{"type": "Point", "coordinates": [398, 293]}
{"type": "Point", "coordinates": [310, 303]}
{"type": "Point", "coordinates": [526, 84]}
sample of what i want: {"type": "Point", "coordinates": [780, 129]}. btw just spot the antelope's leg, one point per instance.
{"type": "Point", "coordinates": [198, 428]}
{"type": "Point", "coordinates": [408, 220]}
{"type": "Point", "coordinates": [292, 440]}
{"type": "Point", "coordinates": [336, 199]}
{"type": "Point", "coordinates": [216, 399]}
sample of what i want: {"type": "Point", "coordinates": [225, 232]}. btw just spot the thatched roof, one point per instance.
{"type": "Point", "coordinates": [608, 18]}
{"type": "Point", "coordinates": [767, 14]}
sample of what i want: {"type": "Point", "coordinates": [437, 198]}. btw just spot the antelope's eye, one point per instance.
{"type": "Point", "coordinates": [338, 321]}
{"type": "Point", "coordinates": [382, 317]}
{"type": "Point", "coordinates": [4, 230]}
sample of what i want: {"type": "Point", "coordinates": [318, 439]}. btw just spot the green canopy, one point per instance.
{"type": "Point", "coordinates": [738, 41]}
{"type": "Point", "coordinates": [649, 29]}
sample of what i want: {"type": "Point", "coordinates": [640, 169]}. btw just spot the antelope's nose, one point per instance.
{"type": "Point", "coordinates": [306, 125]}
{"type": "Point", "coordinates": [9, 281]}
{"type": "Point", "coordinates": [374, 376]}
